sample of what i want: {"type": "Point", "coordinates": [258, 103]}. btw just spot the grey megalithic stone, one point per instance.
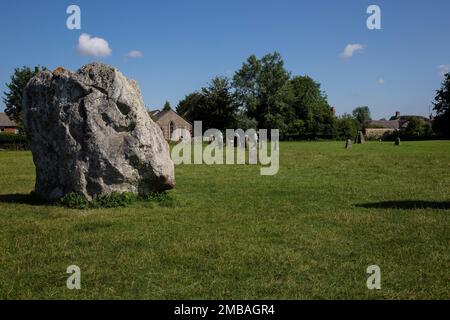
{"type": "Point", "coordinates": [90, 133]}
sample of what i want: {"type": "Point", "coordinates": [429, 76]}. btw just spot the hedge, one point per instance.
{"type": "Point", "coordinates": [10, 141]}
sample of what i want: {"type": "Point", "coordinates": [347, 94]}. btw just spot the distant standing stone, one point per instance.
{"type": "Point", "coordinates": [349, 144]}
{"type": "Point", "coordinates": [220, 140]}
{"type": "Point", "coordinates": [360, 138]}
{"type": "Point", "coordinates": [397, 141]}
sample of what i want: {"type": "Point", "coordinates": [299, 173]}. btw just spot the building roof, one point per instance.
{"type": "Point", "coordinates": [5, 121]}
{"type": "Point", "coordinates": [152, 113]}
{"type": "Point", "coordinates": [396, 123]}
{"type": "Point", "coordinates": [387, 124]}
{"type": "Point", "coordinates": [156, 115]}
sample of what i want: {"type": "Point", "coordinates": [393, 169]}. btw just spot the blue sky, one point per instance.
{"type": "Point", "coordinates": [186, 43]}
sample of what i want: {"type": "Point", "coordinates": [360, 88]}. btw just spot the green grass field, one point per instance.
{"type": "Point", "coordinates": [309, 232]}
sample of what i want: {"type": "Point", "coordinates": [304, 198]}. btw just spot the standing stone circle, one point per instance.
{"type": "Point", "coordinates": [91, 134]}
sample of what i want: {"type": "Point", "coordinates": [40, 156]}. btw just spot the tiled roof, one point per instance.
{"type": "Point", "coordinates": [388, 124]}
{"type": "Point", "coordinates": [156, 115]}
{"type": "Point", "coordinates": [5, 121]}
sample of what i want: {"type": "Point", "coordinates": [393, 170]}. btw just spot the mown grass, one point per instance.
{"type": "Point", "coordinates": [309, 232]}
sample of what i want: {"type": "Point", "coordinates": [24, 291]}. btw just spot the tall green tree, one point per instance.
{"type": "Point", "coordinates": [347, 127]}
{"type": "Point", "coordinates": [13, 96]}
{"type": "Point", "coordinates": [263, 95]}
{"type": "Point", "coordinates": [244, 122]}
{"type": "Point", "coordinates": [416, 127]}
{"type": "Point", "coordinates": [214, 105]}
{"type": "Point", "coordinates": [362, 116]}
{"type": "Point", "coordinates": [192, 107]}
{"type": "Point", "coordinates": [167, 106]}
{"type": "Point", "coordinates": [442, 107]}
{"type": "Point", "coordinates": [221, 104]}
{"type": "Point", "coordinates": [305, 110]}
{"type": "Point", "coordinates": [257, 84]}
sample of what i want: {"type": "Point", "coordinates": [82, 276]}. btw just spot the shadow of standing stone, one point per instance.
{"type": "Point", "coordinates": [406, 205]}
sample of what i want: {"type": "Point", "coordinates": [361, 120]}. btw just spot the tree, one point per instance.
{"type": "Point", "coordinates": [192, 107]}
{"type": "Point", "coordinates": [221, 106]}
{"type": "Point", "coordinates": [257, 84]}
{"type": "Point", "coordinates": [347, 127]}
{"type": "Point", "coordinates": [214, 105]}
{"type": "Point", "coordinates": [442, 107]}
{"type": "Point", "coordinates": [167, 106]}
{"type": "Point", "coordinates": [13, 97]}
{"type": "Point", "coordinates": [244, 122]}
{"type": "Point", "coordinates": [416, 127]}
{"type": "Point", "coordinates": [362, 116]}
{"type": "Point", "coordinates": [263, 95]}
{"type": "Point", "coordinates": [305, 110]}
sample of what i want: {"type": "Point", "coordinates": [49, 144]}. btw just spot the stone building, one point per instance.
{"type": "Point", "coordinates": [7, 125]}
{"type": "Point", "coordinates": [173, 126]}
{"type": "Point", "coordinates": [378, 128]}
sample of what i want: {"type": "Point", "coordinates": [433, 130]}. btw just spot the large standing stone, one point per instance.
{"type": "Point", "coordinates": [90, 133]}
{"type": "Point", "coordinates": [397, 141]}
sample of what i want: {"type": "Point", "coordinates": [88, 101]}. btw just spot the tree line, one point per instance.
{"type": "Point", "coordinates": [263, 94]}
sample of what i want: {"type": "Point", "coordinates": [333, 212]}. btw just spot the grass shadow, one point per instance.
{"type": "Point", "coordinates": [74, 201]}
{"type": "Point", "coordinates": [407, 205]}
{"type": "Point", "coordinates": [23, 198]}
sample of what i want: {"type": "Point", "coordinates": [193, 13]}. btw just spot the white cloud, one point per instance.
{"type": "Point", "coordinates": [381, 81]}
{"type": "Point", "coordinates": [443, 69]}
{"type": "Point", "coordinates": [135, 54]}
{"type": "Point", "coordinates": [93, 46]}
{"type": "Point", "coordinates": [351, 49]}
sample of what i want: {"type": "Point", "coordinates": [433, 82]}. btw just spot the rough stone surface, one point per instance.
{"type": "Point", "coordinates": [90, 133]}
{"type": "Point", "coordinates": [397, 141]}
